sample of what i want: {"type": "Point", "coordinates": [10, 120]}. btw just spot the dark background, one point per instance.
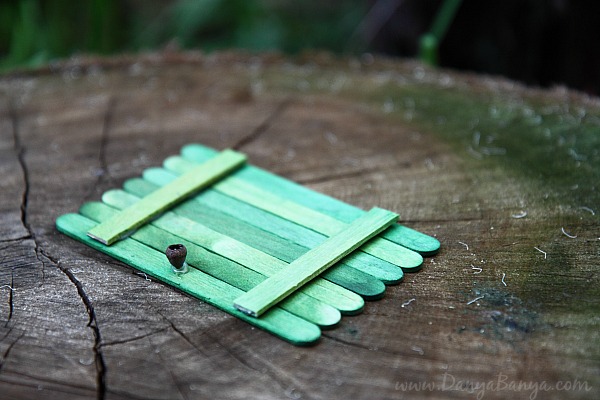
{"type": "Point", "coordinates": [539, 42]}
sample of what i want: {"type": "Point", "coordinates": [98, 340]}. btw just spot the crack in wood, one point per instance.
{"type": "Point", "coordinates": [7, 351]}
{"type": "Point", "coordinates": [20, 152]}
{"type": "Point", "coordinates": [60, 385]}
{"type": "Point", "coordinates": [345, 342]}
{"type": "Point", "coordinates": [132, 339]}
{"type": "Point", "coordinates": [12, 240]}
{"type": "Point", "coordinates": [232, 354]}
{"type": "Point", "coordinates": [441, 221]}
{"type": "Point", "coordinates": [10, 297]}
{"type": "Point", "coordinates": [274, 373]}
{"type": "Point", "coordinates": [362, 172]}
{"type": "Point", "coordinates": [92, 324]}
{"type": "Point", "coordinates": [334, 177]}
{"type": "Point", "coordinates": [287, 382]}
{"type": "Point", "coordinates": [263, 126]}
{"type": "Point", "coordinates": [6, 334]}
{"type": "Point", "coordinates": [104, 139]}
{"type": "Point", "coordinates": [363, 347]}
{"type": "Point", "coordinates": [106, 124]}
{"type": "Point", "coordinates": [164, 362]}
{"type": "Point", "coordinates": [180, 333]}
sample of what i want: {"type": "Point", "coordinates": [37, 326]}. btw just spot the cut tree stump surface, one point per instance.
{"type": "Point", "coordinates": [504, 176]}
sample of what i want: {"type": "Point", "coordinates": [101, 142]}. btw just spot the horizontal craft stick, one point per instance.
{"type": "Point", "coordinates": [196, 283]}
{"type": "Point", "coordinates": [187, 184]}
{"type": "Point", "coordinates": [342, 299]}
{"type": "Point", "coordinates": [288, 209]}
{"type": "Point", "coordinates": [261, 298]}
{"type": "Point", "coordinates": [410, 238]}
{"type": "Point", "coordinates": [303, 306]}
{"type": "Point", "coordinates": [364, 284]}
{"type": "Point", "coordinates": [378, 268]}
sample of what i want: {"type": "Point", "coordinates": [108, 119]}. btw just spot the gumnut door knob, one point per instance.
{"type": "Point", "coordinates": [176, 253]}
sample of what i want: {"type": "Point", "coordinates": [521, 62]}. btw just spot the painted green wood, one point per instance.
{"type": "Point", "coordinates": [191, 182]}
{"type": "Point", "coordinates": [270, 292]}
{"type": "Point", "coordinates": [367, 286]}
{"type": "Point", "coordinates": [407, 237]}
{"type": "Point", "coordinates": [196, 283]}
{"type": "Point", "coordinates": [242, 190]}
{"type": "Point", "coordinates": [344, 300]}
{"type": "Point", "coordinates": [383, 270]}
{"type": "Point", "coordinates": [243, 278]}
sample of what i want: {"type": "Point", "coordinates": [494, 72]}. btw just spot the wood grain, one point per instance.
{"type": "Point", "coordinates": [460, 157]}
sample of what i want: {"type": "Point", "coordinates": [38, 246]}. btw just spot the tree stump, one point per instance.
{"type": "Point", "coordinates": [504, 176]}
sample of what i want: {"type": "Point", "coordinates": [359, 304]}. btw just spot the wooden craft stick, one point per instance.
{"type": "Point", "coordinates": [261, 298]}
{"type": "Point", "coordinates": [407, 237]}
{"type": "Point", "coordinates": [196, 283]}
{"type": "Point", "coordinates": [383, 270]}
{"type": "Point", "coordinates": [366, 285]}
{"type": "Point", "coordinates": [240, 189]}
{"type": "Point", "coordinates": [243, 278]}
{"type": "Point", "coordinates": [342, 299]}
{"type": "Point", "coordinates": [189, 183]}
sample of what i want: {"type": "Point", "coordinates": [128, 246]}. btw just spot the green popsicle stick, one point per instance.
{"type": "Point", "coordinates": [410, 238]}
{"type": "Point", "coordinates": [242, 190]}
{"type": "Point", "coordinates": [192, 181]}
{"type": "Point", "coordinates": [367, 286]}
{"type": "Point", "coordinates": [221, 268]}
{"type": "Point", "coordinates": [380, 269]}
{"type": "Point", "coordinates": [270, 292]}
{"type": "Point", "coordinates": [196, 283]}
{"type": "Point", "coordinates": [342, 299]}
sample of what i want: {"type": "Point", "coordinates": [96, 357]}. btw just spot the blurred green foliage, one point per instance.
{"type": "Point", "coordinates": [35, 32]}
{"type": "Point", "coordinates": [539, 42]}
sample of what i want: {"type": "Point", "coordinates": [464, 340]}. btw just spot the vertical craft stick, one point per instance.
{"type": "Point", "coordinates": [274, 289]}
{"type": "Point", "coordinates": [166, 197]}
